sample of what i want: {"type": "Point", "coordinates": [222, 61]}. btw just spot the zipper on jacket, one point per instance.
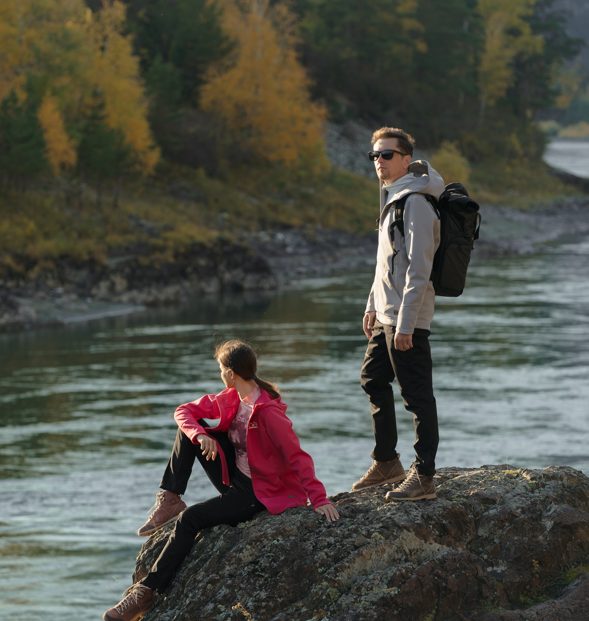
{"type": "Point", "coordinates": [391, 241]}
{"type": "Point", "coordinates": [395, 253]}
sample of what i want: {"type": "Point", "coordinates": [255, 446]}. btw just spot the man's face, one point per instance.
{"type": "Point", "coordinates": [390, 170]}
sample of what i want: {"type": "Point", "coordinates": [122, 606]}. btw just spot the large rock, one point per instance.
{"type": "Point", "coordinates": [497, 544]}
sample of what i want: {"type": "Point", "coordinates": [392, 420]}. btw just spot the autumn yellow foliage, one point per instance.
{"type": "Point", "coordinates": [569, 82]}
{"type": "Point", "coordinates": [262, 93]}
{"type": "Point", "coordinates": [578, 130]}
{"type": "Point", "coordinates": [507, 33]}
{"type": "Point", "coordinates": [41, 37]}
{"type": "Point", "coordinates": [76, 54]}
{"type": "Point", "coordinates": [60, 148]}
{"type": "Point", "coordinates": [451, 164]}
{"type": "Point", "coordinates": [115, 71]}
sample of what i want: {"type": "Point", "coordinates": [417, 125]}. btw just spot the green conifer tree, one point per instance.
{"type": "Point", "coordinates": [164, 89]}
{"type": "Point", "coordinates": [103, 154]}
{"type": "Point", "coordinates": [185, 33]}
{"type": "Point", "coordinates": [22, 156]}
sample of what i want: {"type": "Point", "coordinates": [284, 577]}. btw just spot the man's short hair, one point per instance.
{"type": "Point", "coordinates": [405, 142]}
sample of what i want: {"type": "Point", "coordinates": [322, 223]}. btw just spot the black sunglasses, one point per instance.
{"type": "Point", "coordinates": [387, 154]}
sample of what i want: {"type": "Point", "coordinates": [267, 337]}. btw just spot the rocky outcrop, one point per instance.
{"type": "Point", "coordinates": [498, 544]}
{"type": "Point", "coordinates": [12, 314]}
{"type": "Point", "coordinates": [347, 146]}
{"type": "Point", "coordinates": [71, 290]}
{"type": "Point", "coordinates": [510, 231]}
{"type": "Point", "coordinates": [224, 265]}
{"type": "Point", "coordinates": [315, 251]}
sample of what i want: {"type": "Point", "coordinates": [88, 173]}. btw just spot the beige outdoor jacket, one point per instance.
{"type": "Point", "coordinates": [402, 293]}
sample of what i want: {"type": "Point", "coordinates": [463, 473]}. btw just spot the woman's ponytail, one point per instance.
{"type": "Point", "coordinates": [241, 359]}
{"type": "Point", "coordinates": [269, 387]}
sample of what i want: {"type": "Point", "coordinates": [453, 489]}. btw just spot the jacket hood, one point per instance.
{"type": "Point", "coordinates": [421, 178]}
{"type": "Point", "coordinates": [266, 399]}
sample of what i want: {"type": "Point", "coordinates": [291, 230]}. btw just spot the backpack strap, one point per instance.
{"type": "Point", "coordinates": [478, 227]}
{"type": "Point", "coordinates": [398, 218]}
{"type": "Point", "coordinates": [398, 221]}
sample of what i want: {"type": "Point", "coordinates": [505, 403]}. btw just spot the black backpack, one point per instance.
{"type": "Point", "coordinates": [460, 222]}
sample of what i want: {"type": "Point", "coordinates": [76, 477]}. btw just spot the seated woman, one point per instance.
{"type": "Point", "coordinates": [264, 469]}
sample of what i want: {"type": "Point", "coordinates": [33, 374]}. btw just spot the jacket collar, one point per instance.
{"type": "Point", "coordinates": [421, 178]}
{"type": "Point", "coordinates": [228, 401]}
{"type": "Point", "coordinates": [266, 400]}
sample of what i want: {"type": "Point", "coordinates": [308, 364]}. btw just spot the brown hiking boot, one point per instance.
{"type": "Point", "coordinates": [168, 507]}
{"type": "Point", "coordinates": [381, 472]}
{"type": "Point", "coordinates": [415, 487]}
{"type": "Point", "coordinates": [137, 601]}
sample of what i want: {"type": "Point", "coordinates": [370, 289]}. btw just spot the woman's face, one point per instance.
{"type": "Point", "coordinates": [226, 375]}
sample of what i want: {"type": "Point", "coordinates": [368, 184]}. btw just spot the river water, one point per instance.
{"type": "Point", "coordinates": [86, 411]}
{"type": "Point", "coordinates": [569, 155]}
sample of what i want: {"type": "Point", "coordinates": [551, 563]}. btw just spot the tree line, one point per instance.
{"type": "Point", "coordinates": [99, 91]}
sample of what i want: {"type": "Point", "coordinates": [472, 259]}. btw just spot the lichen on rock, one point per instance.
{"type": "Point", "coordinates": [494, 546]}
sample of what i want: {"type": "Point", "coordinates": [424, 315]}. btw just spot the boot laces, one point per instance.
{"type": "Point", "coordinates": [411, 478]}
{"type": "Point", "coordinates": [372, 468]}
{"type": "Point", "coordinates": [131, 597]}
{"type": "Point", "coordinates": [160, 497]}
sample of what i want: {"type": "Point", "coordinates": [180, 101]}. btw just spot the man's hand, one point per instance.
{"type": "Point", "coordinates": [403, 342]}
{"type": "Point", "coordinates": [368, 323]}
{"type": "Point", "coordinates": [329, 511]}
{"type": "Point", "coordinates": [208, 446]}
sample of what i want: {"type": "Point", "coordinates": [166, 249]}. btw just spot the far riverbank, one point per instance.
{"type": "Point", "coordinates": [71, 292]}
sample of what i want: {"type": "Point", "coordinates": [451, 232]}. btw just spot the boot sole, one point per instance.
{"type": "Point", "coordinates": [425, 497]}
{"type": "Point", "coordinates": [148, 533]}
{"type": "Point", "coordinates": [107, 618]}
{"type": "Point", "coordinates": [395, 480]}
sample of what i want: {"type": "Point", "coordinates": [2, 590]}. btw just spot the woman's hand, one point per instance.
{"type": "Point", "coordinates": [208, 446]}
{"type": "Point", "coordinates": [329, 511]}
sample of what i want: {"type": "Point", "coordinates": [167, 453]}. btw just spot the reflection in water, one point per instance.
{"type": "Point", "coordinates": [86, 412]}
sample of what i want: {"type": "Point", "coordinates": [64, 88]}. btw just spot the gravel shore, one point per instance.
{"type": "Point", "coordinates": [297, 253]}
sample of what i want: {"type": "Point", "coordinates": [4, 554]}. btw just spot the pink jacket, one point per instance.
{"type": "Point", "coordinates": [283, 475]}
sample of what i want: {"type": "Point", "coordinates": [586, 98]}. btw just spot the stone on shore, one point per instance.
{"type": "Point", "coordinates": [498, 544]}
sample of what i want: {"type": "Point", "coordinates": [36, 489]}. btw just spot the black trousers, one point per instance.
{"type": "Point", "coordinates": [237, 503]}
{"type": "Point", "coordinates": [413, 370]}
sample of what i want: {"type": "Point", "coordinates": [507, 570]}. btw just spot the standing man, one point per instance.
{"type": "Point", "coordinates": [398, 316]}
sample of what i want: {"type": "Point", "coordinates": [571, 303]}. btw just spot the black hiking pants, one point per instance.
{"type": "Point", "coordinates": [236, 503]}
{"type": "Point", "coordinates": [413, 370]}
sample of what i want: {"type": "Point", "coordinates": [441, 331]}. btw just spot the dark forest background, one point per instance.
{"type": "Point", "coordinates": [106, 121]}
